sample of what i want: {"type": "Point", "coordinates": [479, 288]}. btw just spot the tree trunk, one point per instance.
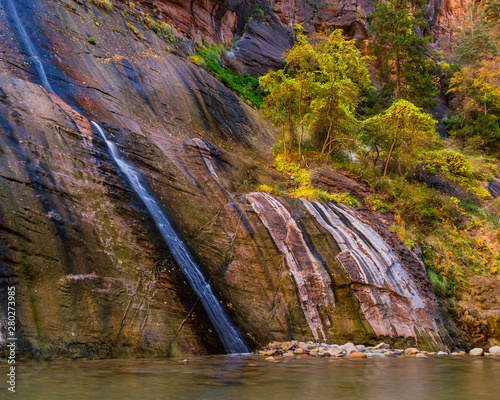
{"type": "Point", "coordinates": [284, 138]}
{"type": "Point", "coordinates": [301, 121]}
{"type": "Point", "coordinates": [398, 76]}
{"type": "Point", "coordinates": [390, 154]}
{"type": "Point", "coordinates": [398, 66]}
{"type": "Point", "coordinates": [329, 131]}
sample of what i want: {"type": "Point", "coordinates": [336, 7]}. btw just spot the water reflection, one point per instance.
{"type": "Point", "coordinates": [252, 377]}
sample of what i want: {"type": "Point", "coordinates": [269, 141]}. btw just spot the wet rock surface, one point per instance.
{"type": "Point", "coordinates": [494, 187]}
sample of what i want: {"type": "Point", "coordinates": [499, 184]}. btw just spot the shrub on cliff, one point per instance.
{"type": "Point", "coordinates": [401, 133]}
{"type": "Point", "coordinates": [106, 4]}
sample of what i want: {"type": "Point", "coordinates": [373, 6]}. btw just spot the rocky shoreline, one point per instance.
{"type": "Point", "coordinates": [350, 350]}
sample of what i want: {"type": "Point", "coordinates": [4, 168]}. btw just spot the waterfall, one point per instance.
{"type": "Point", "coordinates": [30, 48]}
{"type": "Point", "coordinates": [224, 327]}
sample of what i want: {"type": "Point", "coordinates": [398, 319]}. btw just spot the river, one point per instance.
{"type": "Point", "coordinates": [245, 377]}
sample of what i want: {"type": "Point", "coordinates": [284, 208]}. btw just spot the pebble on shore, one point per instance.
{"type": "Point", "coordinates": [294, 348]}
{"type": "Point", "coordinates": [477, 352]}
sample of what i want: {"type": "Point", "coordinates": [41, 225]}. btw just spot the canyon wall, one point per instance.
{"type": "Point", "coordinates": [94, 278]}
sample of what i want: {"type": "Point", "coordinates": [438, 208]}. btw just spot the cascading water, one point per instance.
{"type": "Point", "coordinates": [30, 48]}
{"type": "Point", "coordinates": [227, 332]}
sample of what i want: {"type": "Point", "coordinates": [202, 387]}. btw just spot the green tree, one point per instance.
{"type": "Point", "coordinates": [280, 103]}
{"type": "Point", "coordinates": [474, 40]}
{"type": "Point", "coordinates": [401, 133]}
{"type": "Point", "coordinates": [341, 80]}
{"type": "Point", "coordinates": [475, 85]}
{"type": "Point", "coordinates": [318, 90]}
{"type": "Point", "coordinates": [403, 67]}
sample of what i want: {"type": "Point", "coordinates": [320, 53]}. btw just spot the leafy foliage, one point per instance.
{"type": "Point", "coordinates": [303, 188]}
{"type": "Point", "coordinates": [475, 84]}
{"type": "Point", "coordinates": [243, 84]}
{"type": "Point", "coordinates": [318, 91]}
{"type": "Point", "coordinates": [402, 132]}
{"type": "Point", "coordinates": [400, 50]}
{"type": "Point", "coordinates": [106, 4]}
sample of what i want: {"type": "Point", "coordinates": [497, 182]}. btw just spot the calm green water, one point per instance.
{"type": "Point", "coordinates": [252, 377]}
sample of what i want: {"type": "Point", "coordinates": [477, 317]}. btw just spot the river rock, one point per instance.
{"type": "Point", "coordinates": [442, 353]}
{"type": "Point", "coordinates": [477, 352]}
{"type": "Point", "coordinates": [270, 359]}
{"type": "Point", "coordinates": [286, 345]}
{"type": "Point", "coordinates": [495, 350]}
{"type": "Point", "coordinates": [375, 355]}
{"type": "Point", "coordinates": [357, 354]}
{"type": "Point", "coordinates": [411, 351]}
{"type": "Point", "coordinates": [382, 346]}
{"type": "Point", "coordinates": [334, 352]}
{"type": "Point", "coordinates": [420, 355]}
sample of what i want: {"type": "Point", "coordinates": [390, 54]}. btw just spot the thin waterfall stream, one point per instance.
{"type": "Point", "coordinates": [227, 332]}
{"type": "Point", "coordinates": [30, 48]}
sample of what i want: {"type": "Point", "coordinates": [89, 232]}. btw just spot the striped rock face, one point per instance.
{"type": "Point", "coordinates": [388, 295]}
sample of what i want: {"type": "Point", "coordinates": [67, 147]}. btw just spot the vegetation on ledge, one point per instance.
{"type": "Point", "coordinates": [435, 189]}
{"type": "Point", "coordinates": [303, 188]}
{"type": "Point", "coordinates": [212, 59]}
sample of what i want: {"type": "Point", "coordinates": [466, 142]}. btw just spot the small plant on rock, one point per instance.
{"type": "Point", "coordinates": [134, 30]}
{"type": "Point", "coordinates": [106, 4]}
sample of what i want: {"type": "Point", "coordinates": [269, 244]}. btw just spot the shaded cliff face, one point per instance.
{"type": "Point", "coordinates": [93, 277]}
{"type": "Point", "coordinates": [261, 30]}
{"type": "Point", "coordinates": [445, 18]}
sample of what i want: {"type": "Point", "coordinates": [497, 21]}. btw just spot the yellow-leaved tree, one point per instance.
{"type": "Point", "coordinates": [401, 133]}
{"type": "Point", "coordinates": [318, 91]}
